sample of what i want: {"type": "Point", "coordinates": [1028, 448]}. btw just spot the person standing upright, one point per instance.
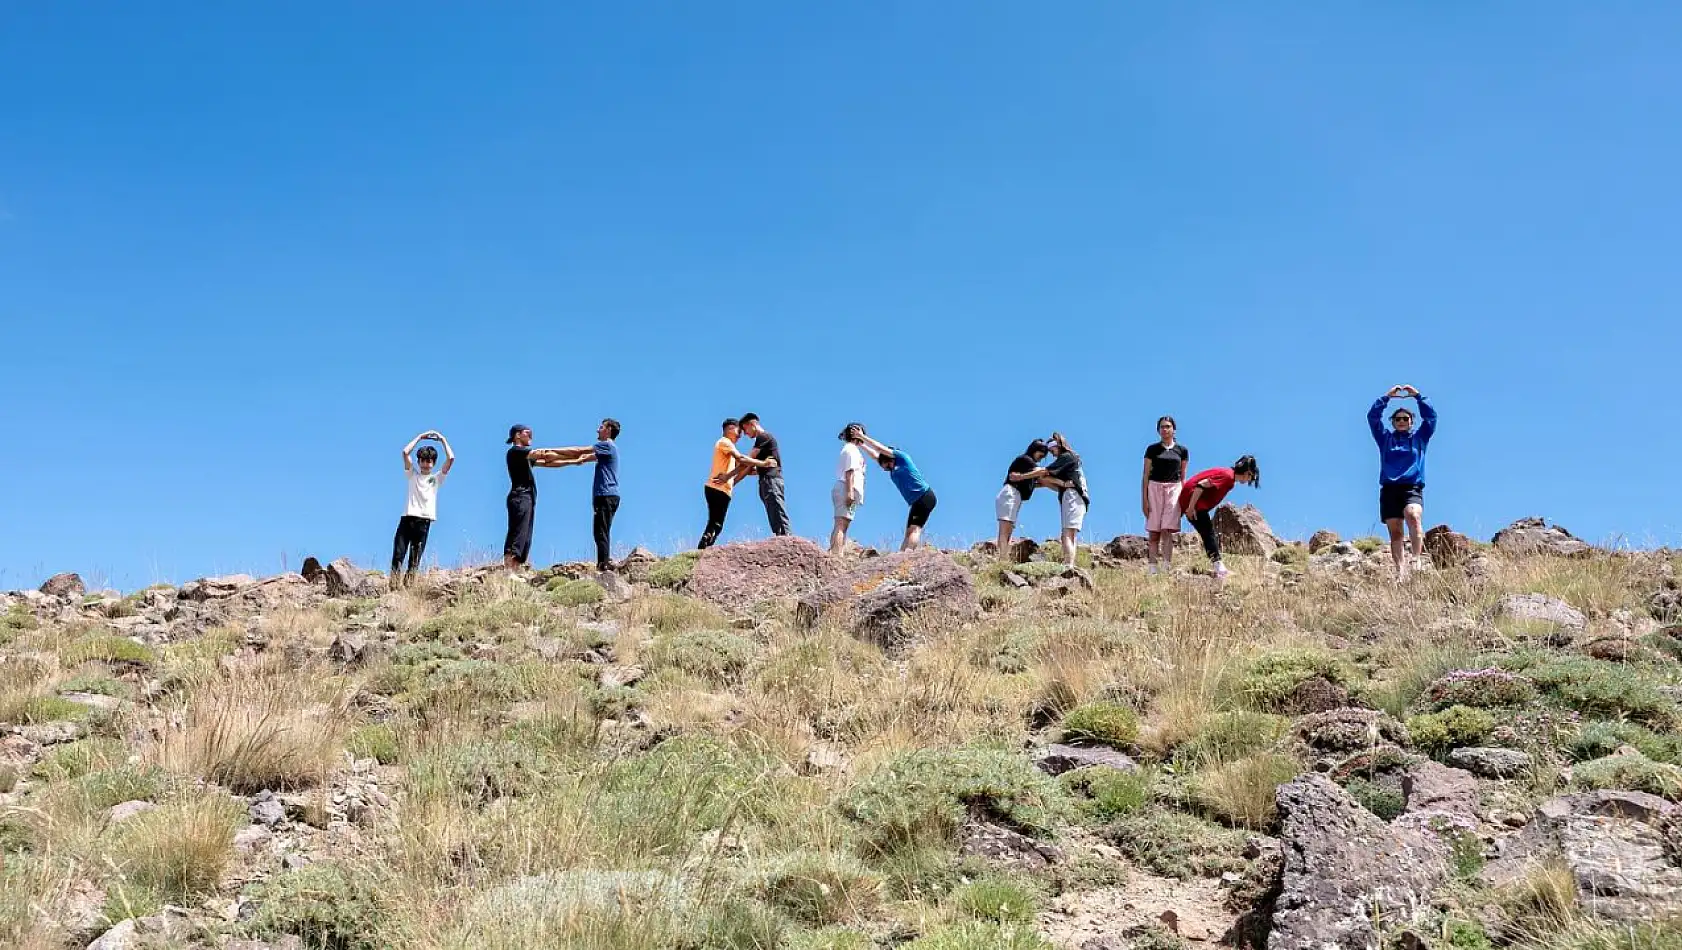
{"type": "Point", "coordinates": [721, 480]}
{"type": "Point", "coordinates": [522, 489]}
{"type": "Point", "coordinates": [1065, 474]}
{"type": "Point", "coordinates": [766, 449]}
{"type": "Point", "coordinates": [1401, 472]}
{"type": "Point", "coordinates": [421, 508]}
{"type": "Point", "coordinates": [848, 492]}
{"type": "Point", "coordinates": [604, 491]}
{"type": "Point", "coordinates": [1165, 468]}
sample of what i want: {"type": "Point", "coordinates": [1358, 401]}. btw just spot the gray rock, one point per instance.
{"type": "Point", "coordinates": [1013, 579]}
{"type": "Point", "coordinates": [1345, 869]}
{"type": "Point", "coordinates": [1056, 759]}
{"type": "Point", "coordinates": [1615, 845]}
{"type": "Point", "coordinates": [50, 733]}
{"type": "Point", "coordinates": [1536, 536]}
{"type": "Point", "coordinates": [617, 588]}
{"type": "Point", "coordinates": [65, 587]}
{"type": "Point", "coordinates": [350, 648]}
{"type": "Point", "coordinates": [267, 812]}
{"type": "Point", "coordinates": [125, 810]}
{"type": "Point", "coordinates": [1022, 550]}
{"type": "Point", "coordinates": [1128, 547]}
{"type": "Point", "coordinates": [345, 579]}
{"type": "Point", "coordinates": [1434, 790]}
{"type": "Point", "coordinates": [95, 700]}
{"type": "Point", "coordinates": [216, 588]}
{"type": "Point", "coordinates": [1001, 845]}
{"type": "Point", "coordinates": [613, 676]}
{"type": "Point", "coordinates": [1070, 581]}
{"type": "Point", "coordinates": [1491, 763]}
{"type": "Point", "coordinates": [875, 596]}
{"type": "Point", "coordinates": [1243, 530]}
{"type": "Point", "coordinates": [124, 936]}
{"type": "Point", "coordinates": [1322, 540]}
{"type": "Point", "coordinates": [1540, 608]}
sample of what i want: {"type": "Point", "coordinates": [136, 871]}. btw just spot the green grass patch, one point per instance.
{"type": "Point", "coordinates": [674, 572]}
{"type": "Point", "coordinates": [1102, 723]}
{"type": "Point", "coordinates": [922, 797]}
{"type": "Point", "coordinates": [1438, 734]}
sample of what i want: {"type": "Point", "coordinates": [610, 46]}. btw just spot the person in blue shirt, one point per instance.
{"type": "Point", "coordinates": [604, 488]}
{"type": "Point", "coordinates": [913, 487]}
{"type": "Point", "coordinates": [1401, 473]}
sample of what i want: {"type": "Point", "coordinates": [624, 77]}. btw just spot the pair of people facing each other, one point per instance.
{"type": "Point", "coordinates": [522, 459]}
{"type": "Point", "coordinates": [1063, 474]}
{"type": "Point", "coordinates": [730, 465]}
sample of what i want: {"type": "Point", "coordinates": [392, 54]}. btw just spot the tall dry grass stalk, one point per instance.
{"type": "Point", "coordinates": [255, 734]}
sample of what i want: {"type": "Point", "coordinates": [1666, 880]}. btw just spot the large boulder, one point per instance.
{"type": "Point", "coordinates": [1616, 846]}
{"type": "Point", "coordinates": [1243, 530]}
{"type": "Point", "coordinates": [876, 595]}
{"type": "Point", "coordinates": [1345, 869]}
{"type": "Point", "coordinates": [65, 586]}
{"type": "Point", "coordinates": [1540, 609]}
{"type": "Point", "coordinates": [1322, 540]}
{"type": "Point", "coordinates": [1447, 547]}
{"type": "Point", "coordinates": [1536, 536]}
{"type": "Point", "coordinates": [216, 588]}
{"type": "Point", "coordinates": [736, 576]}
{"type": "Point", "coordinates": [345, 579]}
{"type": "Point", "coordinates": [1128, 547]}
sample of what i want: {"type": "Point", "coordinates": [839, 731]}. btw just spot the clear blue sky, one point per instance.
{"type": "Point", "coordinates": [246, 254]}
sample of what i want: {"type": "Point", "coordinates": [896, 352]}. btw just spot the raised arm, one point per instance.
{"type": "Point", "coordinates": [409, 449]}
{"type": "Point", "coordinates": [1427, 416]}
{"type": "Point", "coordinates": [449, 453]}
{"type": "Point", "coordinates": [875, 448]}
{"type": "Point", "coordinates": [1375, 415]}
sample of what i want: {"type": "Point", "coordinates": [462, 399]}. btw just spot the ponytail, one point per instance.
{"type": "Point", "coordinates": [1247, 465]}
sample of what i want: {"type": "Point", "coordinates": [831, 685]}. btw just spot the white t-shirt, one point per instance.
{"type": "Point", "coordinates": [852, 460]}
{"type": "Point", "coordinates": [423, 494]}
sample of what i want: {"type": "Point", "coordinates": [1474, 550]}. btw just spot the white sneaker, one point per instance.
{"type": "Point", "coordinates": [1220, 571]}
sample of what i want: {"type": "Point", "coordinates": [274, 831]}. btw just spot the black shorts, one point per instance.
{"type": "Point", "coordinates": [920, 511]}
{"type": "Point", "coordinates": [1394, 499]}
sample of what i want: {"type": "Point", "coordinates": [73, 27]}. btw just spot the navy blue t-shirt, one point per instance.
{"type": "Point", "coordinates": [607, 469]}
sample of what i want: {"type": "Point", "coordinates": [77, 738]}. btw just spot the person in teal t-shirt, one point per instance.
{"type": "Point", "coordinates": [913, 487]}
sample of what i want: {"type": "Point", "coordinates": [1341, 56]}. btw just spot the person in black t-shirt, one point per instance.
{"type": "Point", "coordinates": [770, 478]}
{"type": "Point", "coordinates": [1165, 469]}
{"type": "Point", "coordinates": [1020, 478]}
{"type": "Point", "coordinates": [522, 489]}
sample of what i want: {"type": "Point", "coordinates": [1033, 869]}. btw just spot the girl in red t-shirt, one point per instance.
{"type": "Point", "coordinates": [1204, 491]}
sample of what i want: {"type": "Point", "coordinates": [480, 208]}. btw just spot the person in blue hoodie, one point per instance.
{"type": "Point", "coordinates": [1401, 475]}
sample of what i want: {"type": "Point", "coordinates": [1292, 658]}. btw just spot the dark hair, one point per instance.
{"type": "Point", "coordinates": [728, 423]}
{"type": "Point", "coordinates": [427, 454]}
{"type": "Point", "coordinates": [1248, 464]}
{"type": "Point", "coordinates": [1401, 411]}
{"type": "Point", "coordinates": [748, 417]}
{"type": "Point", "coordinates": [1063, 441]}
{"type": "Point", "coordinates": [1038, 445]}
{"type": "Point", "coordinates": [886, 460]}
{"type": "Point", "coordinates": [1170, 421]}
{"type": "Point", "coordinates": [612, 427]}
{"type": "Point", "coordinates": [849, 427]}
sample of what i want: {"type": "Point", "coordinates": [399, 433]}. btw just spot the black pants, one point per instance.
{"type": "Point", "coordinates": [522, 511]}
{"type": "Point", "coordinates": [717, 504]}
{"type": "Point", "coordinates": [771, 493]}
{"type": "Point", "coordinates": [1205, 526]}
{"type": "Point", "coordinates": [606, 506]}
{"type": "Point", "coordinates": [410, 541]}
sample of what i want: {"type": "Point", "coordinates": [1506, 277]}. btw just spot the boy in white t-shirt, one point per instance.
{"type": "Point", "coordinates": [848, 492]}
{"type": "Point", "coordinates": [422, 507]}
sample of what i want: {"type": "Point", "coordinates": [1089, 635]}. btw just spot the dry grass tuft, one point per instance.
{"type": "Point", "coordinates": [251, 735]}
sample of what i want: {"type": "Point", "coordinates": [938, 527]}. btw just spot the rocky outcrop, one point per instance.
{"type": "Point", "coordinates": [1243, 530]}
{"type": "Point", "coordinates": [1056, 759]}
{"type": "Point", "coordinates": [1345, 869]}
{"type": "Point", "coordinates": [1322, 540]}
{"type": "Point", "coordinates": [737, 576]}
{"type": "Point", "coordinates": [1491, 763]}
{"type": "Point", "coordinates": [1616, 845]}
{"type": "Point", "coordinates": [216, 588]}
{"type": "Point", "coordinates": [1536, 536]}
{"type": "Point", "coordinates": [65, 587]}
{"type": "Point", "coordinates": [1022, 550]}
{"type": "Point", "coordinates": [1447, 547]}
{"type": "Point", "coordinates": [875, 597]}
{"type": "Point", "coordinates": [1128, 547]}
{"type": "Point", "coordinates": [345, 579]}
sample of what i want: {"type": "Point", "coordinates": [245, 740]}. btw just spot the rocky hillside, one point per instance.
{"type": "Point", "coordinates": [763, 747]}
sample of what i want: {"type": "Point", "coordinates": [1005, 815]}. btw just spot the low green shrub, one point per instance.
{"type": "Point", "coordinates": [997, 898]}
{"type": "Point", "coordinates": [1368, 544]}
{"type": "Point", "coordinates": [478, 771]}
{"type": "Point", "coordinates": [575, 593]}
{"type": "Point", "coordinates": [1102, 723]}
{"type": "Point", "coordinates": [1480, 689]}
{"type": "Point", "coordinates": [820, 889]}
{"type": "Point", "coordinates": [673, 572]}
{"type": "Point", "coordinates": [1177, 845]}
{"type": "Point", "coordinates": [377, 741]}
{"type": "Point", "coordinates": [1109, 792]}
{"type": "Point", "coordinates": [1243, 792]}
{"type": "Point", "coordinates": [977, 935]}
{"type": "Point", "coordinates": [1272, 677]}
{"type": "Point", "coordinates": [922, 797]}
{"type": "Point", "coordinates": [325, 905]}
{"type": "Point", "coordinates": [1597, 738]}
{"type": "Point", "coordinates": [1605, 689]}
{"type": "Point", "coordinates": [61, 763]}
{"type": "Point", "coordinates": [39, 709]}
{"type": "Point", "coordinates": [1437, 734]}
{"type": "Point", "coordinates": [1385, 801]}
{"type": "Point", "coordinates": [1633, 772]}
{"type": "Point", "coordinates": [109, 649]}
{"type": "Point", "coordinates": [1226, 736]}
{"type": "Point", "coordinates": [714, 655]}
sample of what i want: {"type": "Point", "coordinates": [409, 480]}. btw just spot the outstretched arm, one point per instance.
{"type": "Point", "coordinates": [875, 448]}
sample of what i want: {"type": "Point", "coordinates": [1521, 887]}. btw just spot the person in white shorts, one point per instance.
{"type": "Point", "coordinates": [848, 492]}
{"type": "Point", "coordinates": [1065, 475]}
{"type": "Point", "coordinates": [1024, 473]}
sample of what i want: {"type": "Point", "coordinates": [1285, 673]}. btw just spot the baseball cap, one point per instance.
{"type": "Point", "coordinates": [515, 430]}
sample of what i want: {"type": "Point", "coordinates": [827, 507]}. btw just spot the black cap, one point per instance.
{"type": "Point", "coordinates": [515, 430]}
